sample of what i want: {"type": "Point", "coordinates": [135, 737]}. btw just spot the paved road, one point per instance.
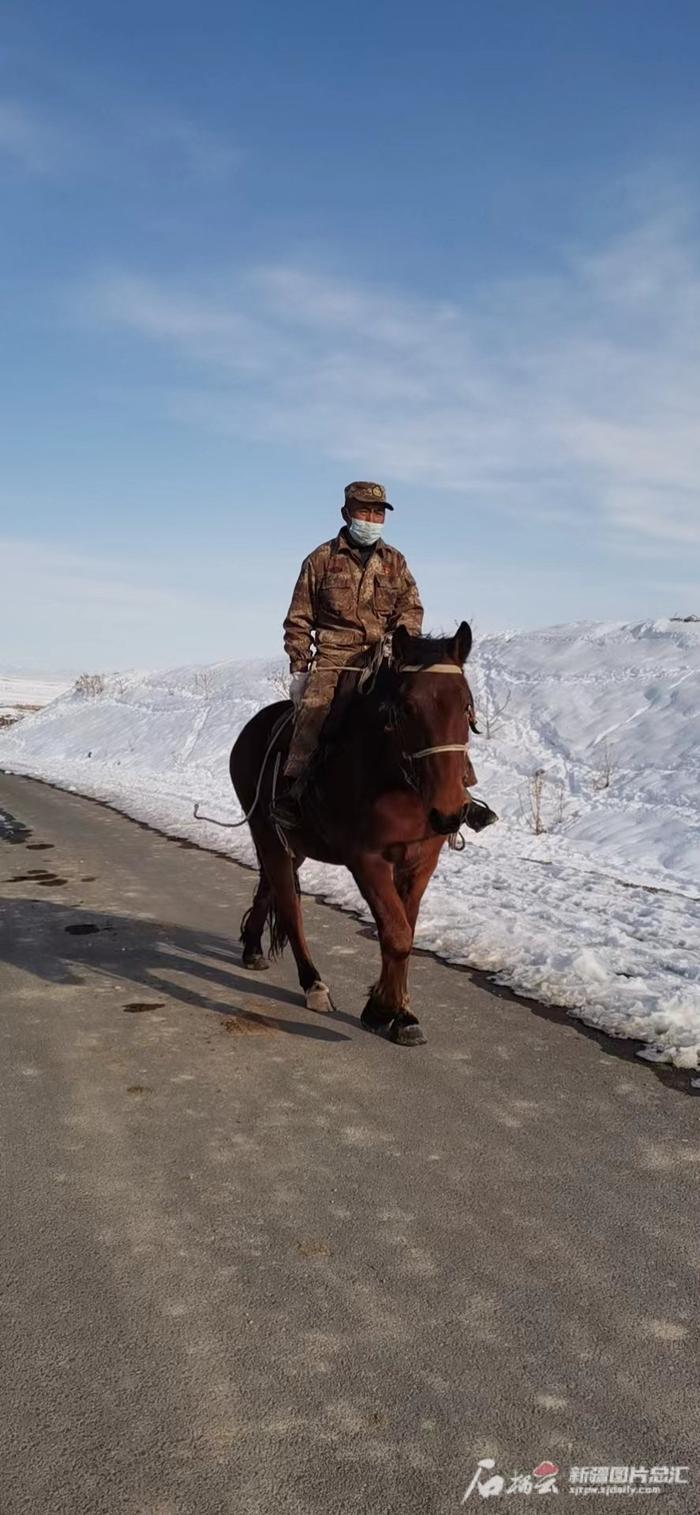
{"type": "Point", "coordinates": [256, 1261]}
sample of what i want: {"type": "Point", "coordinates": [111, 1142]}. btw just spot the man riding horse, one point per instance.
{"type": "Point", "coordinates": [388, 788]}
{"type": "Point", "coordinates": [352, 593]}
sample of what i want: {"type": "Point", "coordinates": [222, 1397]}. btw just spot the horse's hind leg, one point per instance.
{"type": "Point", "coordinates": [287, 919]}
{"type": "Point", "coordinates": [253, 925]}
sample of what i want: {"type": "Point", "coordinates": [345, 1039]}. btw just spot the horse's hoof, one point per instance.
{"type": "Point", "coordinates": [406, 1032]}
{"type": "Point", "coordinates": [255, 962]}
{"type": "Point", "coordinates": [318, 998]}
{"type": "Point", "coordinates": [375, 1018]}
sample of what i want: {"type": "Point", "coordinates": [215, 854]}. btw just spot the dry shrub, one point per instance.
{"type": "Point", "coordinates": [545, 808]}
{"type": "Point", "coordinates": [605, 768]}
{"type": "Point", "coordinates": [89, 686]}
{"type": "Point", "coordinates": [204, 682]}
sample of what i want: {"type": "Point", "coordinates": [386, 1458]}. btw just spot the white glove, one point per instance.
{"type": "Point", "coordinates": [297, 685]}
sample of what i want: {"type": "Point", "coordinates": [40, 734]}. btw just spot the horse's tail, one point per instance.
{"type": "Point", "coordinates": [273, 920]}
{"type": "Point", "coordinates": [244, 923]}
{"type": "Point", "coordinates": [278, 935]}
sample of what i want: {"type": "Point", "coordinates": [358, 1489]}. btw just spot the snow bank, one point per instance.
{"type": "Point", "coordinates": [600, 912]}
{"type": "Point", "coordinates": [23, 692]}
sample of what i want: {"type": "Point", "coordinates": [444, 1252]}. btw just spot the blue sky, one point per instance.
{"type": "Point", "coordinates": [251, 252]}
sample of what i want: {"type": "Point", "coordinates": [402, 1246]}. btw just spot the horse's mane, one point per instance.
{"type": "Point", "coordinates": [426, 650]}
{"type": "Point", "coordinates": [377, 704]}
{"type": "Point", "coordinates": [380, 694]}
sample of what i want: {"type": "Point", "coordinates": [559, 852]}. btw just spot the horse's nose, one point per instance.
{"type": "Point", "coordinates": [446, 825]}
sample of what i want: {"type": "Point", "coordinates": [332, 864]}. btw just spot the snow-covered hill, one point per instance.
{"type": "Point", "coordinates": [591, 732]}
{"type": "Point", "coordinates": [612, 715]}
{"type": "Point", "coordinates": [22, 693]}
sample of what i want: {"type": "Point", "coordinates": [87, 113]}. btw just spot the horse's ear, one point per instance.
{"type": "Point", "coordinates": [400, 643]}
{"type": "Point", "coordinates": [462, 644]}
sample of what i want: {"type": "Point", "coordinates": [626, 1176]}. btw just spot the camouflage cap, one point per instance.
{"type": "Point", "coordinates": [364, 493]}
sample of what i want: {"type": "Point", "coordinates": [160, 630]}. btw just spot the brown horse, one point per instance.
{"type": "Point", "coordinates": [385, 792]}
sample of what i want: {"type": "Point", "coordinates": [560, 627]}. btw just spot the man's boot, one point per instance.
{"type": "Point", "coordinates": [478, 815]}
{"type": "Point", "coordinates": [286, 811]}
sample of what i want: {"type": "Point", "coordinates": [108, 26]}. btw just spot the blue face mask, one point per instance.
{"type": "Point", "coordinates": [365, 533]}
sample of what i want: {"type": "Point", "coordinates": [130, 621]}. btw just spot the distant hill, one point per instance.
{"type": "Point", "coordinates": [23, 693]}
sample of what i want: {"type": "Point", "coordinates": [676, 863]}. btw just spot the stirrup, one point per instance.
{"type": "Point", "coordinates": [287, 809]}
{"type": "Point", "coordinates": [285, 814]}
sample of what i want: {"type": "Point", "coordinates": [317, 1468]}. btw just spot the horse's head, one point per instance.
{"type": "Point", "coordinates": [436, 713]}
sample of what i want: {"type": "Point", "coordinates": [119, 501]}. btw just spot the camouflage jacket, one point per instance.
{"type": "Point", "coordinates": [340, 601]}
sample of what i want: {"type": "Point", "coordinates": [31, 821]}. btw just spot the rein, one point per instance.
{"type": "Point", "coordinates": [233, 825]}
{"type": "Point", "coordinates": [430, 668]}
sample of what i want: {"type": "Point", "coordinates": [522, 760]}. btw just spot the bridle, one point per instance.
{"type": "Point", "coordinates": [434, 668]}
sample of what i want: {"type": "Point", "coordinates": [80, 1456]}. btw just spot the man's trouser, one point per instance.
{"type": "Point", "coordinates": [317, 699]}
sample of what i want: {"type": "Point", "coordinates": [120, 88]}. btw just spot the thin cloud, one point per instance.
{"type": "Point", "coordinates": [569, 397]}
{"type": "Point", "coordinates": [58, 577]}
{"type": "Point", "coordinates": [205, 154]}
{"type": "Point", "coordinates": [99, 613]}
{"type": "Point", "coordinates": [127, 138]}
{"type": "Point", "coordinates": [28, 139]}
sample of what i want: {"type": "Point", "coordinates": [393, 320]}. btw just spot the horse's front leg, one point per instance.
{"type": "Point", "coordinates": [413, 877]}
{"type": "Point", "coordinates": [386, 1011]}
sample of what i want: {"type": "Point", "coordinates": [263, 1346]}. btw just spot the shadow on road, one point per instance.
{"type": "Point", "coordinates": [34, 935]}
{"type": "Point", "coordinates": [61, 943]}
